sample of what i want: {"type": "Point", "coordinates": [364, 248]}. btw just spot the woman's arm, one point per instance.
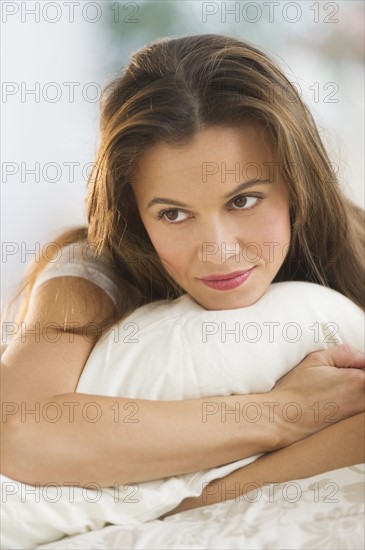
{"type": "Point", "coordinates": [340, 445]}
{"type": "Point", "coordinates": [42, 365]}
{"type": "Point", "coordinates": [151, 440]}
{"type": "Point", "coordinates": [169, 437]}
{"type": "Point", "coordinates": [63, 443]}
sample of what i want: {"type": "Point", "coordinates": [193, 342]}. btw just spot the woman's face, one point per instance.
{"type": "Point", "coordinates": [216, 206]}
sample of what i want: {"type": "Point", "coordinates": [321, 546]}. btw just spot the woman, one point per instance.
{"type": "Point", "coordinates": [178, 99]}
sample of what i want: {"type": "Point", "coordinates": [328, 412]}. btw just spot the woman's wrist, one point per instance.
{"type": "Point", "coordinates": [257, 419]}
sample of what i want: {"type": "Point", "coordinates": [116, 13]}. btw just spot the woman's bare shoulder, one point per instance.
{"type": "Point", "coordinates": [45, 357]}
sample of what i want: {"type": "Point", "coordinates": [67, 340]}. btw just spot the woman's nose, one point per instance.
{"type": "Point", "coordinates": [219, 244]}
{"type": "Point", "coordinates": [220, 252]}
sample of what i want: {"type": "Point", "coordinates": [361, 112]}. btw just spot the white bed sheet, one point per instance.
{"type": "Point", "coordinates": [325, 511]}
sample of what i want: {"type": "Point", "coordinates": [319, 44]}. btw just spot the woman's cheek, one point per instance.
{"type": "Point", "coordinates": [171, 254]}
{"type": "Point", "coordinates": [174, 268]}
{"type": "Point", "coordinates": [273, 235]}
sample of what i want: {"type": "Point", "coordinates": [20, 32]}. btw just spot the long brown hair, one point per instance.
{"type": "Point", "coordinates": [171, 89]}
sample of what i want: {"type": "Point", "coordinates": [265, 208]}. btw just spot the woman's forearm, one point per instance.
{"type": "Point", "coordinates": [82, 438]}
{"type": "Point", "coordinates": [339, 445]}
{"type": "Point", "coordinates": [78, 438]}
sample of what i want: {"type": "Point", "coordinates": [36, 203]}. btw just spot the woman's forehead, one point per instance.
{"type": "Point", "coordinates": [216, 146]}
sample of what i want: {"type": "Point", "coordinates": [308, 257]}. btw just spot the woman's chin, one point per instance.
{"type": "Point", "coordinates": [220, 303]}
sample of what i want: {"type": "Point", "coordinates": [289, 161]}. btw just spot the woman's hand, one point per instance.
{"type": "Point", "coordinates": [315, 395]}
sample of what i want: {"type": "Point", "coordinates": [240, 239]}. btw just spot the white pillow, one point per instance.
{"type": "Point", "coordinates": [182, 351]}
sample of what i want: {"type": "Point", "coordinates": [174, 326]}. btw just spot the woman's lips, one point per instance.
{"type": "Point", "coordinates": [235, 279]}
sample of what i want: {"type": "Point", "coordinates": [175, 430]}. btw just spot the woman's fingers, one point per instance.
{"type": "Point", "coordinates": [321, 393]}
{"type": "Point", "coordinates": [341, 355]}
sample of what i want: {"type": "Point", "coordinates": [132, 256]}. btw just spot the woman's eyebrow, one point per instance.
{"type": "Point", "coordinates": [240, 187]}
{"type": "Point", "coordinates": [246, 184]}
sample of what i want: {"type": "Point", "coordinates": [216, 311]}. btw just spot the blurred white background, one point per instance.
{"type": "Point", "coordinates": [57, 55]}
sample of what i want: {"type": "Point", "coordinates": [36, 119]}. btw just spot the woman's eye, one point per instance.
{"type": "Point", "coordinates": [171, 216]}
{"type": "Point", "coordinates": [245, 202]}
{"type": "Point", "coordinates": [174, 216]}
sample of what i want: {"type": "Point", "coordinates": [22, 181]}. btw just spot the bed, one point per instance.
{"type": "Point", "coordinates": [320, 512]}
